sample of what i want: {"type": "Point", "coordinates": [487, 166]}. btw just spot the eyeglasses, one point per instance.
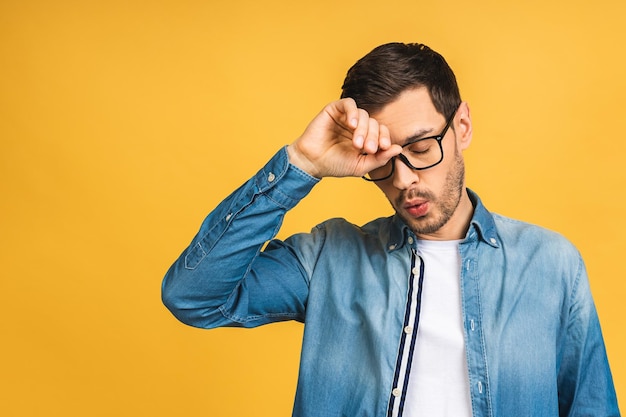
{"type": "Point", "coordinates": [417, 154]}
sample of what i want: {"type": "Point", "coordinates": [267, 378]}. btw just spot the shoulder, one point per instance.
{"type": "Point", "coordinates": [336, 239]}
{"type": "Point", "coordinates": [376, 228]}
{"type": "Point", "coordinates": [528, 237]}
{"type": "Point", "coordinates": [337, 231]}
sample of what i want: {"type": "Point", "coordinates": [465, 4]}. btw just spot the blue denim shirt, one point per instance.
{"type": "Point", "coordinates": [533, 340]}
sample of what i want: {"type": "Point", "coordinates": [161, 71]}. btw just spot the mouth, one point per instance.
{"type": "Point", "coordinates": [416, 208]}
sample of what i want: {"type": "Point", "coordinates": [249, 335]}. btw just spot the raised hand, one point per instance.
{"type": "Point", "coordinates": [342, 140]}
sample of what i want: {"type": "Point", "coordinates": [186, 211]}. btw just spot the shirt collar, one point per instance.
{"type": "Point", "coordinates": [482, 223]}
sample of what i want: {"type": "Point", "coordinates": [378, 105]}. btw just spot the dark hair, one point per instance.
{"type": "Point", "coordinates": [388, 70]}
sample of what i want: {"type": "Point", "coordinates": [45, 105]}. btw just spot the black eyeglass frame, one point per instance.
{"type": "Point", "coordinates": [438, 138]}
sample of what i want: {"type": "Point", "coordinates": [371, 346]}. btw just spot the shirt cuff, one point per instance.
{"type": "Point", "coordinates": [283, 182]}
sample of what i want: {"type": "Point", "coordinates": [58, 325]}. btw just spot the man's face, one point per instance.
{"type": "Point", "coordinates": [432, 202]}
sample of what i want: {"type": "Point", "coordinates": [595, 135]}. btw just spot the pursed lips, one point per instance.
{"type": "Point", "coordinates": [417, 207]}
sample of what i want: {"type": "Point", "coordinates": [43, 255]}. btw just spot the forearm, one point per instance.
{"type": "Point", "coordinates": [222, 253]}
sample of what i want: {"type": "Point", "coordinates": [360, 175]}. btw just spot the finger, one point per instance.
{"type": "Point", "coordinates": [384, 138]}
{"type": "Point", "coordinates": [371, 140]}
{"type": "Point", "coordinates": [343, 113]}
{"type": "Point", "coordinates": [383, 156]}
{"type": "Point", "coordinates": [362, 128]}
{"type": "Point", "coordinates": [380, 158]}
{"type": "Point", "coordinates": [351, 111]}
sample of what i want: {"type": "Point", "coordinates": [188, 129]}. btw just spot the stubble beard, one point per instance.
{"type": "Point", "coordinates": [445, 205]}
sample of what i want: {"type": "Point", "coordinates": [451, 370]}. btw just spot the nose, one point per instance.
{"type": "Point", "coordinates": [404, 176]}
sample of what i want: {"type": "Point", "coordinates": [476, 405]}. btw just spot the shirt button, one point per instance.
{"type": "Point", "coordinates": [392, 247]}
{"type": "Point", "coordinates": [493, 240]}
{"type": "Point", "coordinates": [396, 392]}
{"type": "Point", "coordinates": [410, 240]}
{"type": "Point", "coordinates": [408, 330]}
{"type": "Point", "coordinates": [415, 271]}
{"type": "Point", "coordinates": [271, 177]}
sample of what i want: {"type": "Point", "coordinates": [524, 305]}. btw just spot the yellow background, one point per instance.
{"type": "Point", "coordinates": [122, 123]}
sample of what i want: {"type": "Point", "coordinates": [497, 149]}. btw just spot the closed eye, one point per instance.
{"type": "Point", "coordinates": [421, 146]}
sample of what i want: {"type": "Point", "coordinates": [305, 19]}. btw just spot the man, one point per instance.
{"type": "Point", "coordinates": [443, 309]}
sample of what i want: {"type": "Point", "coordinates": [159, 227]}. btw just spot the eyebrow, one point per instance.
{"type": "Point", "coordinates": [417, 135]}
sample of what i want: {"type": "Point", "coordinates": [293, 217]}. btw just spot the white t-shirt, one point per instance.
{"type": "Point", "coordinates": [438, 381]}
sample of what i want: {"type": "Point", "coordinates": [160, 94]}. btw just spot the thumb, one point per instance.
{"type": "Point", "coordinates": [377, 160]}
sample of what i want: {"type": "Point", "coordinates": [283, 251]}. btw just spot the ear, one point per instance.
{"type": "Point", "coordinates": [463, 126]}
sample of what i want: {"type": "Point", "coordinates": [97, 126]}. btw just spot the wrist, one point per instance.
{"type": "Point", "coordinates": [297, 159]}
